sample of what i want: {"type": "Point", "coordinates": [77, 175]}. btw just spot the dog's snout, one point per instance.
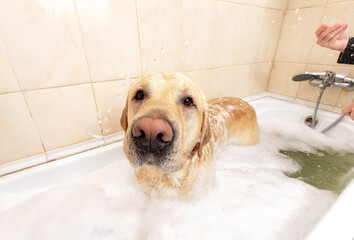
{"type": "Point", "coordinates": [152, 134]}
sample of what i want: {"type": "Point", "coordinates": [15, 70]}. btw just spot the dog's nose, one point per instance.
{"type": "Point", "coordinates": [152, 134]}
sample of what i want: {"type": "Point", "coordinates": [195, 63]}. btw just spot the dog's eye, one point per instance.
{"type": "Point", "coordinates": [188, 102]}
{"type": "Point", "coordinates": [139, 95]}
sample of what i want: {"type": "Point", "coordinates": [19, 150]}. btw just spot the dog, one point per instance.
{"type": "Point", "coordinates": [172, 132]}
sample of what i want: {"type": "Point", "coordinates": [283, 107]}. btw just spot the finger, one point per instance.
{"type": "Point", "coordinates": [352, 115]}
{"type": "Point", "coordinates": [337, 35]}
{"type": "Point", "coordinates": [328, 30]}
{"type": "Point", "coordinates": [321, 29]}
{"type": "Point", "coordinates": [346, 110]}
{"type": "Point", "coordinates": [326, 34]}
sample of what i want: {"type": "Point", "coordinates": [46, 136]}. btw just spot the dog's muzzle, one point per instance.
{"type": "Point", "coordinates": [153, 140]}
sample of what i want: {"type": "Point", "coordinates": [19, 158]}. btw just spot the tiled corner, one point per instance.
{"type": "Point", "coordinates": [8, 82]}
{"type": "Point", "coordinates": [259, 76]}
{"type": "Point", "coordinates": [111, 99]}
{"type": "Point", "coordinates": [110, 34]}
{"type": "Point", "coordinates": [43, 43]}
{"type": "Point", "coordinates": [298, 34]}
{"type": "Point", "coordinates": [64, 116]}
{"type": "Point", "coordinates": [160, 35]}
{"type": "Point", "coordinates": [19, 138]}
{"type": "Point", "coordinates": [281, 78]}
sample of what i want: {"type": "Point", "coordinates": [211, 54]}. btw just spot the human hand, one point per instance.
{"type": "Point", "coordinates": [332, 37]}
{"type": "Point", "coordinates": [349, 110]}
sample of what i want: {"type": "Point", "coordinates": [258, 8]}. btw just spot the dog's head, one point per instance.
{"type": "Point", "coordinates": [165, 121]}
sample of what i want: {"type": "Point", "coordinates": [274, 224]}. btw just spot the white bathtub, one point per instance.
{"type": "Point", "coordinates": [336, 224]}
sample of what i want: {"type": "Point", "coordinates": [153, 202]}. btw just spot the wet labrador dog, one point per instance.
{"type": "Point", "coordinates": [172, 132]}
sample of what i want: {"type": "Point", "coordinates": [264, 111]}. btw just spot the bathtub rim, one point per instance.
{"type": "Point", "coordinates": [339, 212]}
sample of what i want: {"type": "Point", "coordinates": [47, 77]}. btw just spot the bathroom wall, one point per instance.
{"type": "Point", "coordinates": [297, 51]}
{"type": "Point", "coordinates": [65, 65]}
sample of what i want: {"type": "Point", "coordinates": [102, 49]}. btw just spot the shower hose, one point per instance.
{"type": "Point", "coordinates": [335, 122]}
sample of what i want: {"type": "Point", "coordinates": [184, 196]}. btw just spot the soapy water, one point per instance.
{"type": "Point", "coordinates": [253, 198]}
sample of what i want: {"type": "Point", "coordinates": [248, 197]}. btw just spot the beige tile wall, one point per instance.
{"type": "Point", "coordinates": [297, 51]}
{"type": "Point", "coordinates": [65, 65]}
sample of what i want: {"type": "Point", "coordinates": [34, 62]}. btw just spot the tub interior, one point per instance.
{"type": "Point", "coordinates": [260, 192]}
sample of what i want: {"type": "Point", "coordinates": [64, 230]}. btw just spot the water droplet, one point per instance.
{"type": "Point", "coordinates": [273, 21]}
{"type": "Point", "coordinates": [108, 110]}
{"type": "Point", "coordinates": [297, 10]}
{"type": "Point", "coordinates": [185, 42]}
{"type": "Point", "coordinates": [99, 121]}
{"type": "Point", "coordinates": [163, 50]}
{"type": "Point", "coordinates": [127, 77]}
{"type": "Point", "coordinates": [157, 60]}
{"type": "Point", "coordinates": [300, 18]}
{"type": "Point", "coordinates": [99, 115]}
{"type": "Point", "coordinates": [106, 119]}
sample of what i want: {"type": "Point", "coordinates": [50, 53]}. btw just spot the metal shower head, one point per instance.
{"type": "Point", "coordinates": [304, 76]}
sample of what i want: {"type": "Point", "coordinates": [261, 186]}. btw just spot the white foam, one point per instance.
{"type": "Point", "coordinates": [252, 199]}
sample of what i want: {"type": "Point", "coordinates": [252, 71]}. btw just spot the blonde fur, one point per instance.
{"type": "Point", "coordinates": [202, 131]}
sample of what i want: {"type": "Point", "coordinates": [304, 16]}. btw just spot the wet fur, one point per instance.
{"type": "Point", "coordinates": [218, 122]}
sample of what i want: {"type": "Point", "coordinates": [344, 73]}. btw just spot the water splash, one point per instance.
{"type": "Point", "coordinates": [185, 42]}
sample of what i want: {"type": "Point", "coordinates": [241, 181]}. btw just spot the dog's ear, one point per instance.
{"type": "Point", "coordinates": [205, 134]}
{"type": "Point", "coordinates": [124, 117]}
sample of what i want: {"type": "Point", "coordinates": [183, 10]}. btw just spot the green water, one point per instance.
{"type": "Point", "coordinates": [323, 169]}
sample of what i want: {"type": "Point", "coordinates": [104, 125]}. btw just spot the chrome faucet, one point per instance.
{"type": "Point", "coordinates": [323, 80]}
{"type": "Point", "coordinates": [326, 79]}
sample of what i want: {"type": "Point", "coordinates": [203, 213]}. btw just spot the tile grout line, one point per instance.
{"type": "Point", "coordinates": [139, 38]}
{"type": "Point", "coordinates": [251, 5]}
{"type": "Point", "coordinates": [88, 68]}
{"type": "Point", "coordinates": [313, 43]}
{"type": "Point", "coordinates": [69, 85]}
{"type": "Point", "coordinates": [26, 103]}
{"type": "Point", "coordinates": [120, 79]}
{"type": "Point", "coordinates": [323, 4]}
{"type": "Point", "coordinates": [276, 50]}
